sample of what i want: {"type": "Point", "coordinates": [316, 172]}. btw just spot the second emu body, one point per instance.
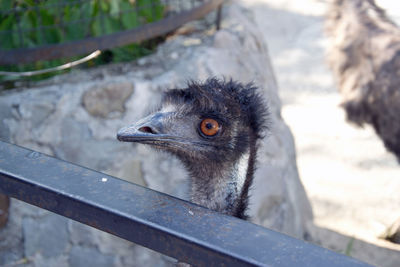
{"type": "Point", "coordinates": [364, 56]}
{"type": "Point", "coordinates": [213, 128]}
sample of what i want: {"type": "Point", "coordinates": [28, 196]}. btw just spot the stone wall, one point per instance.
{"type": "Point", "coordinates": [75, 117]}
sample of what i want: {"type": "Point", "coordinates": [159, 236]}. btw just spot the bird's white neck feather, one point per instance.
{"type": "Point", "coordinates": [224, 188]}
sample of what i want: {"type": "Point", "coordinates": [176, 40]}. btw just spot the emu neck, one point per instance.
{"type": "Point", "coordinates": [224, 188]}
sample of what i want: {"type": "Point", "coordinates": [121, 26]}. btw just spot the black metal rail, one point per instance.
{"type": "Point", "coordinates": [90, 44]}
{"type": "Point", "coordinates": [152, 219]}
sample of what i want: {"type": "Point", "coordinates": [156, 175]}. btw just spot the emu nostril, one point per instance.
{"type": "Point", "coordinates": [147, 129]}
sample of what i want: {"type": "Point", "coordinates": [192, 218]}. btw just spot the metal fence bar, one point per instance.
{"type": "Point", "coordinates": [90, 44]}
{"type": "Point", "coordinates": [149, 218]}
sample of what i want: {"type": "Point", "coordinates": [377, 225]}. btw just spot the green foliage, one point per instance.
{"type": "Point", "coordinates": [30, 23]}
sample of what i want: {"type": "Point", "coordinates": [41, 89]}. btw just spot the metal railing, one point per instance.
{"type": "Point", "coordinates": [140, 23]}
{"type": "Point", "coordinates": [163, 223]}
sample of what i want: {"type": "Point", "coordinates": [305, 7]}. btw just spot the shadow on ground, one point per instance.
{"type": "Point", "coordinates": [356, 248]}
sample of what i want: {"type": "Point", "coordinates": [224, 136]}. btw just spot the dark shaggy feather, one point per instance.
{"type": "Point", "coordinates": [365, 59]}
{"type": "Point", "coordinates": [229, 98]}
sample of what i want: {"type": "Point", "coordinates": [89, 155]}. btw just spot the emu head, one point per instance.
{"type": "Point", "coordinates": [206, 124]}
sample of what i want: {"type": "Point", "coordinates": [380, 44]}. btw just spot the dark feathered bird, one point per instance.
{"type": "Point", "coordinates": [365, 59]}
{"type": "Point", "coordinates": [213, 128]}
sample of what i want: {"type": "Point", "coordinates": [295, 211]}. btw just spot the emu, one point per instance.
{"type": "Point", "coordinates": [213, 128]}
{"type": "Point", "coordinates": [365, 59]}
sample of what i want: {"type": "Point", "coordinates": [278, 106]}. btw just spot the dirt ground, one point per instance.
{"type": "Point", "coordinates": [353, 183]}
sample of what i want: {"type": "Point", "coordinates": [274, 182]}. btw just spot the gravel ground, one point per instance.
{"type": "Point", "coordinates": [353, 183]}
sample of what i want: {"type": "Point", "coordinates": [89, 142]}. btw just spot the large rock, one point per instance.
{"type": "Point", "coordinates": [107, 101]}
{"type": "Point", "coordinates": [70, 117]}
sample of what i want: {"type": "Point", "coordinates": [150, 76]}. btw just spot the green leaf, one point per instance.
{"type": "Point", "coordinates": [27, 3]}
{"type": "Point", "coordinates": [129, 19]}
{"type": "Point", "coordinates": [15, 37]}
{"type": "Point", "coordinates": [95, 7]}
{"type": "Point", "coordinates": [150, 10]}
{"type": "Point", "coordinates": [73, 12]}
{"type": "Point", "coordinates": [86, 14]}
{"type": "Point", "coordinates": [74, 28]}
{"type": "Point", "coordinates": [74, 31]}
{"type": "Point", "coordinates": [114, 8]}
{"type": "Point", "coordinates": [5, 5]}
{"type": "Point", "coordinates": [104, 6]}
{"type": "Point", "coordinates": [144, 7]}
{"type": "Point", "coordinates": [86, 11]}
{"type": "Point", "coordinates": [159, 10]}
{"type": "Point", "coordinates": [96, 28]}
{"type": "Point", "coordinates": [28, 22]}
{"type": "Point", "coordinates": [111, 25]}
{"type": "Point", "coordinates": [6, 25]}
{"type": "Point", "coordinates": [51, 34]}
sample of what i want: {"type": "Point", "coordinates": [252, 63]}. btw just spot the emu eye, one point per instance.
{"type": "Point", "coordinates": [209, 127]}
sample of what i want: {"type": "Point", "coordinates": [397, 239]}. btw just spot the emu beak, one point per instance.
{"type": "Point", "coordinates": [147, 129]}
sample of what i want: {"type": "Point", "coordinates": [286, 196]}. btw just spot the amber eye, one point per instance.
{"type": "Point", "coordinates": [209, 127]}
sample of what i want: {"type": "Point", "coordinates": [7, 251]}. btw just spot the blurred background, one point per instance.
{"type": "Point", "coordinates": [320, 178]}
{"type": "Point", "coordinates": [350, 178]}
